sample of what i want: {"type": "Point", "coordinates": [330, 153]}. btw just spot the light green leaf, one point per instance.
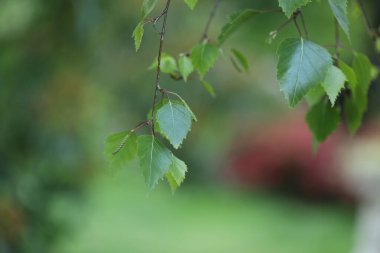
{"type": "Point", "coordinates": [349, 73]}
{"type": "Point", "coordinates": [208, 88]}
{"type": "Point", "coordinates": [147, 7]}
{"type": "Point", "coordinates": [121, 148]}
{"type": "Point", "coordinates": [186, 105]}
{"type": "Point", "coordinates": [241, 59]}
{"type": "Point", "coordinates": [322, 120]}
{"type": "Point", "coordinates": [290, 6]}
{"type": "Point", "coordinates": [315, 95]}
{"type": "Point", "coordinates": [302, 66]}
{"type": "Point", "coordinates": [176, 174]}
{"type": "Point", "coordinates": [203, 57]}
{"type": "Point", "coordinates": [378, 45]}
{"type": "Point", "coordinates": [185, 66]}
{"type": "Point", "coordinates": [138, 34]}
{"type": "Point", "coordinates": [168, 64]}
{"type": "Point", "coordinates": [234, 22]}
{"type": "Point", "coordinates": [339, 8]}
{"type": "Point", "coordinates": [155, 159]}
{"type": "Point", "coordinates": [334, 83]}
{"type": "Point", "coordinates": [191, 3]}
{"type": "Point", "coordinates": [174, 121]}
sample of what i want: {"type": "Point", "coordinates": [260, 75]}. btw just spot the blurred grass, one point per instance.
{"type": "Point", "coordinates": [119, 216]}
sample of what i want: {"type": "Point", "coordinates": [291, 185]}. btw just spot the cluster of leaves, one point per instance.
{"type": "Point", "coordinates": [202, 57]}
{"type": "Point", "coordinates": [172, 118]}
{"type": "Point", "coordinates": [305, 70]}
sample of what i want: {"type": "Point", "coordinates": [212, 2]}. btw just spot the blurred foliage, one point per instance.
{"type": "Point", "coordinates": [69, 76]}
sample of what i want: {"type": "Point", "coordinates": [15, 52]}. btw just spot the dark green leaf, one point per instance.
{"type": "Point", "coordinates": [322, 120]}
{"type": "Point", "coordinates": [241, 59]}
{"type": "Point", "coordinates": [353, 113]}
{"type": "Point", "coordinates": [302, 66]}
{"type": "Point", "coordinates": [356, 105]}
{"type": "Point", "coordinates": [234, 22]}
{"type": "Point", "coordinates": [315, 95]}
{"type": "Point", "coordinates": [349, 73]}
{"type": "Point", "coordinates": [121, 148]}
{"type": "Point", "coordinates": [362, 67]}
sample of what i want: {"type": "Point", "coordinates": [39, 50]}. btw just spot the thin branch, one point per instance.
{"type": "Point", "coordinates": [283, 25]}
{"type": "Point", "coordinates": [210, 19]}
{"type": "Point", "coordinates": [371, 32]}
{"type": "Point", "coordinates": [304, 25]}
{"type": "Point", "coordinates": [158, 75]}
{"type": "Point", "coordinates": [348, 49]}
{"type": "Point", "coordinates": [297, 26]}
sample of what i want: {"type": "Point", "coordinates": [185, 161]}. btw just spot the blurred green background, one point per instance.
{"type": "Point", "coordinates": [69, 76]}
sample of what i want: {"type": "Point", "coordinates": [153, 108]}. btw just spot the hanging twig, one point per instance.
{"type": "Point", "coordinates": [158, 75]}
{"type": "Point", "coordinates": [210, 19]}
{"type": "Point", "coordinates": [304, 24]}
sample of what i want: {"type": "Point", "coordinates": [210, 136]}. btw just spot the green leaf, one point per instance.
{"type": "Point", "coordinates": [349, 73]}
{"type": "Point", "coordinates": [208, 88]}
{"type": "Point", "coordinates": [234, 22]}
{"type": "Point", "coordinates": [168, 64]}
{"type": "Point", "coordinates": [334, 83]}
{"type": "Point", "coordinates": [322, 120]}
{"type": "Point", "coordinates": [290, 6]}
{"type": "Point", "coordinates": [191, 3]}
{"type": "Point", "coordinates": [176, 174]}
{"type": "Point", "coordinates": [241, 59]}
{"type": "Point", "coordinates": [121, 148]}
{"type": "Point", "coordinates": [356, 105]}
{"type": "Point", "coordinates": [362, 67]}
{"type": "Point", "coordinates": [155, 159]}
{"type": "Point", "coordinates": [302, 66]}
{"type": "Point", "coordinates": [186, 105]}
{"type": "Point", "coordinates": [147, 7]}
{"type": "Point", "coordinates": [174, 121]}
{"type": "Point", "coordinates": [339, 8]}
{"type": "Point", "coordinates": [315, 95]}
{"type": "Point", "coordinates": [185, 66]}
{"type": "Point", "coordinates": [378, 45]}
{"type": "Point", "coordinates": [374, 72]}
{"type": "Point", "coordinates": [353, 114]}
{"type": "Point", "coordinates": [203, 57]}
{"type": "Point", "coordinates": [138, 34]}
